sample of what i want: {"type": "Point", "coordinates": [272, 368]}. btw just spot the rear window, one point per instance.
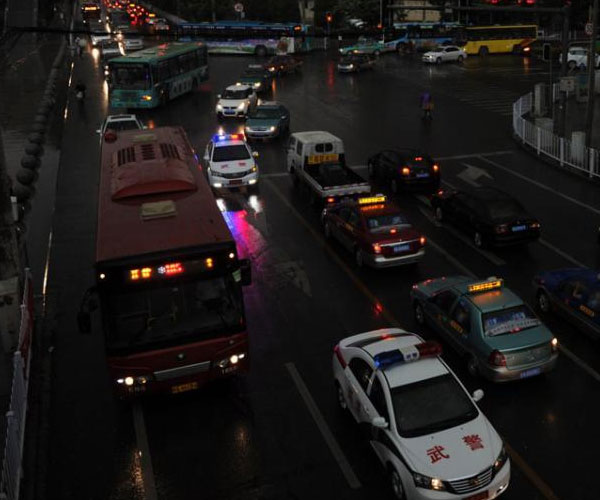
{"type": "Point", "coordinates": [510, 320]}
{"type": "Point", "coordinates": [324, 147]}
{"type": "Point", "coordinates": [504, 208]}
{"type": "Point", "coordinates": [230, 153]}
{"type": "Point", "coordinates": [388, 220]}
{"type": "Point", "coordinates": [122, 125]}
{"type": "Point", "coordinates": [234, 94]}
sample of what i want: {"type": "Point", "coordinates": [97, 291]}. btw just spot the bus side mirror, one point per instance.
{"type": "Point", "coordinates": [88, 304]}
{"type": "Point", "coordinates": [246, 271]}
{"type": "Point", "coordinates": [477, 395]}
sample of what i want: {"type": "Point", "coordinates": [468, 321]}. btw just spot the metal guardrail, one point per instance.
{"type": "Point", "coordinates": [546, 142]}
{"type": "Point", "coordinates": [10, 480]}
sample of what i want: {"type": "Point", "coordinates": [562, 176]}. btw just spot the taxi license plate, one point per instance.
{"type": "Point", "coordinates": [312, 159]}
{"type": "Point", "coordinates": [484, 495]}
{"type": "Point", "coordinates": [190, 386]}
{"type": "Point", "coordinates": [236, 181]}
{"type": "Point", "coordinates": [401, 248]}
{"type": "Point", "coordinates": [530, 373]}
{"type": "Point", "coordinates": [518, 228]}
{"type": "Point", "coordinates": [422, 175]}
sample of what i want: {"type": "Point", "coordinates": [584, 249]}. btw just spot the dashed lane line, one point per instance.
{"type": "Point", "coordinates": [540, 185]}
{"type": "Point", "coordinates": [141, 438]}
{"type": "Point", "coordinates": [564, 255]}
{"type": "Point", "coordinates": [584, 366]}
{"type": "Point", "coordinates": [317, 416]}
{"type": "Point", "coordinates": [531, 475]}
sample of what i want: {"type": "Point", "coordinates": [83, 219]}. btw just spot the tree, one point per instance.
{"type": "Point", "coordinates": [367, 10]}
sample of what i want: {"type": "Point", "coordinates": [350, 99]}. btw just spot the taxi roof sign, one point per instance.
{"type": "Point", "coordinates": [407, 354]}
{"type": "Point", "coordinates": [380, 198]}
{"type": "Point", "coordinates": [484, 286]}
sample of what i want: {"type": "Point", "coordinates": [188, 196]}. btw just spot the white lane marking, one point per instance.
{"type": "Point", "coordinates": [565, 255]}
{"type": "Point", "coordinates": [584, 366]}
{"type": "Point", "coordinates": [452, 259]}
{"type": "Point", "coordinates": [333, 445]}
{"type": "Point", "coordinates": [474, 155]}
{"type": "Point", "coordinates": [541, 186]}
{"type": "Point", "coordinates": [46, 271]}
{"type": "Point", "coordinates": [141, 438]}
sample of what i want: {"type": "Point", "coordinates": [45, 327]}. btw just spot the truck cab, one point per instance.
{"type": "Point", "coordinates": [312, 148]}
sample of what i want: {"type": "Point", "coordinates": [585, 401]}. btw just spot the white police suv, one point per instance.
{"type": "Point", "coordinates": [230, 162]}
{"type": "Point", "coordinates": [425, 428]}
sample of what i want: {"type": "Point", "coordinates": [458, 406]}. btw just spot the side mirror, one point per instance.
{"type": "Point", "coordinates": [99, 131]}
{"type": "Point", "coordinates": [379, 423]}
{"type": "Point", "coordinates": [477, 395]}
{"type": "Point", "coordinates": [84, 322]}
{"type": "Point", "coordinates": [255, 154]}
{"type": "Point", "coordinates": [246, 270]}
{"type": "Point", "coordinates": [206, 157]}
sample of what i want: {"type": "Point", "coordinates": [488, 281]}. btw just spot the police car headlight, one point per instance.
{"type": "Point", "coordinates": [501, 460]}
{"type": "Point", "coordinates": [219, 107]}
{"type": "Point", "coordinates": [430, 483]}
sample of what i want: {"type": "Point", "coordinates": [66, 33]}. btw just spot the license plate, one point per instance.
{"type": "Point", "coordinates": [236, 181]}
{"type": "Point", "coordinates": [530, 373]}
{"type": "Point", "coordinates": [313, 159]}
{"type": "Point", "coordinates": [190, 386]}
{"type": "Point", "coordinates": [518, 228]}
{"type": "Point", "coordinates": [422, 175]}
{"type": "Point", "coordinates": [401, 248]}
{"type": "Point", "coordinates": [479, 496]}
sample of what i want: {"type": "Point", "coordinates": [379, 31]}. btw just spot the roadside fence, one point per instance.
{"type": "Point", "coordinates": [16, 415]}
{"type": "Point", "coordinates": [545, 142]}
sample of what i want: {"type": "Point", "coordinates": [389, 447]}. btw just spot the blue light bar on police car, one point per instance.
{"type": "Point", "coordinates": [228, 137]}
{"type": "Point", "coordinates": [408, 354]}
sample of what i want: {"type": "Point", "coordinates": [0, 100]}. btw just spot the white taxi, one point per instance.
{"type": "Point", "coordinates": [236, 101]}
{"type": "Point", "coordinates": [445, 53]}
{"type": "Point", "coordinates": [425, 428]}
{"type": "Point", "coordinates": [230, 162]}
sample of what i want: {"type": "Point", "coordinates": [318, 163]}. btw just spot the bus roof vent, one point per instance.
{"type": "Point", "coordinates": [148, 152]}
{"type": "Point", "coordinates": [153, 177]}
{"type": "Point", "coordinates": [169, 151]}
{"type": "Point", "coordinates": [158, 209]}
{"type": "Point", "coordinates": [125, 155]}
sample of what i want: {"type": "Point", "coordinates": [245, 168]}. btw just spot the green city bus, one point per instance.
{"type": "Point", "coordinates": [152, 77]}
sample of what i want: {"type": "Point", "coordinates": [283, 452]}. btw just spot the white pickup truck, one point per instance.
{"type": "Point", "coordinates": [316, 159]}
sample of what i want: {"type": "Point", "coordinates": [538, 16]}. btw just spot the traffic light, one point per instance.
{"type": "Point", "coordinates": [546, 52]}
{"type": "Point", "coordinates": [328, 17]}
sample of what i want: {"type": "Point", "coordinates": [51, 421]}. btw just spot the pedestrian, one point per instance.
{"type": "Point", "coordinates": [81, 45]}
{"type": "Point", "coordinates": [426, 102]}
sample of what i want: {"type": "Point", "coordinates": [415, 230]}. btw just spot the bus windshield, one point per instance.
{"type": "Point", "coordinates": [182, 310]}
{"type": "Point", "coordinates": [130, 76]}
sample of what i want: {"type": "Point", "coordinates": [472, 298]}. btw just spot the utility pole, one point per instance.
{"type": "Point", "coordinates": [563, 71]}
{"type": "Point", "coordinates": [589, 112]}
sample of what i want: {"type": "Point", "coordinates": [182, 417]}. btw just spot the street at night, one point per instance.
{"type": "Point", "coordinates": [277, 432]}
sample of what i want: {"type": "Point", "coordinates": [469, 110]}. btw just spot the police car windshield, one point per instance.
{"type": "Point", "coordinates": [431, 405]}
{"type": "Point", "coordinates": [229, 153]}
{"type": "Point", "coordinates": [510, 320]}
{"type": "Point", "coordinates": [385, 221]}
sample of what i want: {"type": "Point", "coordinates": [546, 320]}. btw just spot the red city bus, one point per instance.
{"type": "Point", "coordinates": [168, 277]}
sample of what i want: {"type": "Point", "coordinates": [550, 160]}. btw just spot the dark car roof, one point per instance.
{"type": "Point", "coordinates": [405, 152]}
{"type": "Point", "coordinates": [489, 194]}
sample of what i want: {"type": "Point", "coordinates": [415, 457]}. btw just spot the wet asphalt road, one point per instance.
{"type": "Point", "coordinates": [254, 437]}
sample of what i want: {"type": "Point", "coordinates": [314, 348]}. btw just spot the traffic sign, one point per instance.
{"type": "Point", "coordinates": [238, 7]}
{"type": "Point", "coordinates": [589, 29]}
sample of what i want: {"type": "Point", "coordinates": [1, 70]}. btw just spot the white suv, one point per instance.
{"type": "Point", "coordinates": [116, 123]}
{"type": "Point", "coordinates": [236, 101]}
{"type": "Point", "coordinates": [230, 162]}
{"type": "Point", "coordinates": [577, 57]}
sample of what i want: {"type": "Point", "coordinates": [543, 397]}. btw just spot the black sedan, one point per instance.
{"type": "Point", "coordinates": [355, 62]}
{"type": "Point", "coordinates": [405, 168]}
{"type": "Point", "coordinates": [491, 216]}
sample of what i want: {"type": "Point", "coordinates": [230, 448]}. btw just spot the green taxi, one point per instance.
{"type": "Point", "coordinates": [268, 120]}
{"type": "Point", "coordinates": [500, 336]}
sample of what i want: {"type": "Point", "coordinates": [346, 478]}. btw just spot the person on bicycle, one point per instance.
{"type": "Point", "coordinates": [427, 104]}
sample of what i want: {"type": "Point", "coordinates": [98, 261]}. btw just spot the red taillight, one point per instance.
{"type": "Point", "coordinates": [429, 348]}
{"type": "Point", "coordinates": [376, 248]}
{"type": "Point", "coordinates": [436, 167]}
{"type": "Point", "coordinates": [422, 241]}
{"type": "Point", "coordinates": [497, 359]}
{"type": "Point", "coordinates": [338, 355]}
{"type": "Point", "coordinates": [393, 230]}
{"type": "Point", "coordinates": [405, 171]}
{"type": "Point", "coordinates": [501, 229]}
{"type": "Point", "coordinates": [331, 199]}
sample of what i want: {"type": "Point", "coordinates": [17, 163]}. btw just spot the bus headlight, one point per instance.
{"type": "Point", "coordinates": [129, 381]}
{"type": "Point", "coordinates": [232, 360]}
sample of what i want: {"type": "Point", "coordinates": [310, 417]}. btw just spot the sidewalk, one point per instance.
{"type": "Point", "coordinates": [576, 119]}
{"type": "Point", "coordinates": [25, 61]}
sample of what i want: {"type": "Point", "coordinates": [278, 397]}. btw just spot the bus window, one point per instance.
{"type": "Point", "coordinates": [131, 76]}
{"type": "Point", "coordinates": [163, 71]}
{"type": "Point", "coordinates": [174, 67]}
